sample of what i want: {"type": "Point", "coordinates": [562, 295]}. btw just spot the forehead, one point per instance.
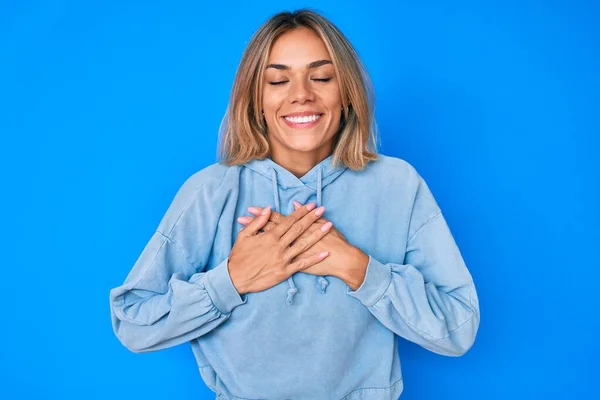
{"type": "Point", "coordinates": [297, 48]}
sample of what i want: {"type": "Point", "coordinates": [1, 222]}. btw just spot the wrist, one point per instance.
{"type": "Point", "coordinates": [353, 271]}
{"type": "Point", "coordinates": [239, 287]}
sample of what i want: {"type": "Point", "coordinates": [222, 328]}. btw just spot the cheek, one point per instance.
{"type": "Point", "coordinates": [336, 118]}
{"type": "Point", "coordinates": [332, 98]}
{"type": "Point", "coordinates": [271, 100]}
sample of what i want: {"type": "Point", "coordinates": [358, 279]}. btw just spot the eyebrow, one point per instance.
{"type": "Point", "coordinates": [313, 64]}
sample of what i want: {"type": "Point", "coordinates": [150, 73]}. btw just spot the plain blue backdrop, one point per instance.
{"type": "Point", "coordinates": [106, 108]}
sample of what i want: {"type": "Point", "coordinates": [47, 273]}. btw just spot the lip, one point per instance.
{"type": "Point", "coordinates": [303, 114]}
{"type": "Point", "coordinates": [302, 125]}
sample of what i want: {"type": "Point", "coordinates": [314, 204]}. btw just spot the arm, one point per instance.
{"type": "Point", "coordinates": [168, 298]}
{"type": "Point", "coordinates": [430, 299]}
{"type": "Point", "coordinates": [163, 303]}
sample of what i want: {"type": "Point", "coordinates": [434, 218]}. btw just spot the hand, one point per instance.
{"type": "Point", "coordinates": [345, 261]}
{"type": "Point", "coordinates": [276, 218]}
{"type": "Point", "coordinates": [260, 261]}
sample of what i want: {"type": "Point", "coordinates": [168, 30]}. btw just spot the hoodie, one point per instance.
{"type": "Point", "coordinates": [308, 337]}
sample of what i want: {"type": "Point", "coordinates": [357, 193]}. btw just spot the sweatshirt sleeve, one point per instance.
{"type": "Point", "coordinates": [167, 299]}
{"type": "Point", "coordinates": [429, 298]}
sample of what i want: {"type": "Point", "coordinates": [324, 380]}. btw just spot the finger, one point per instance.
{"type": "Point", "coordinates": [257, 224]}
{"type": "Point", "coordinates": [275, 216]}
{"type": "Point", "coordinates": [257, 210]}
{"type": "Point", "coordinates": [254, 210]}
{"type": "Point", "coordinates": [303, 244]}
{"type": "Point", "coordinates": [298, 205]}
{"type": "Point", "coordinates": [270, 225]}
{"type": "Point", "coordinates": [301, 226]}
{"type": "Point", "coordinates": [289, 221]}
{"type": "Point", "coordinates": [306, 262]}
{"type": "Point", "coordinates": [244, 220]}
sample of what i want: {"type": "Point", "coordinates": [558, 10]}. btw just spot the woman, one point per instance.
{"type": "Point", "coordinates": [288, 307]}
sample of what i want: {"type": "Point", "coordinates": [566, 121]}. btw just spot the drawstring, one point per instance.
{"type": "Point", "coordinates": [322, 281]}
{"type": "Point", "coordinates": [319, 186]}
{"type": "Point", "coordinates": [275, 191]}
{"type": "Point", "coordinates": [292, 289]}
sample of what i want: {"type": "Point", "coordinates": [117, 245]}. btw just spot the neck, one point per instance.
{"type": "Point", "coordinates": [299, 162]}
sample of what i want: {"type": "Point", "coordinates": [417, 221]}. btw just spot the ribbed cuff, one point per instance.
{"type": "Point", "coordinates": [377, 280]}
{"type": "Point", "coordinates": [221, 290]}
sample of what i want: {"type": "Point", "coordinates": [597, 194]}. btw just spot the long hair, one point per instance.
{"type": "Point", "coordinates": [243, 131]}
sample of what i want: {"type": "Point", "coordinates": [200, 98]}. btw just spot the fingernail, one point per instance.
{"type": "Point", "coordinates": [326, 226]}
{"type": "Point", "coordinates": [254, 210]}
{"type": "Point", "coordinates": [311, 206]}
{"type": "Point", "coordinates": [266, 210]}
{"type": "Point", "coordinates": [319, 211]}
{"type": "Point", "coordinates": [323, 254]}
{"type": "Point", "coordinates": [297, 205]}
{"type": "Point", "coordinates": [244, 220]}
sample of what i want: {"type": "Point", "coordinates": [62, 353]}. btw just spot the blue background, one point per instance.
{"type": "Point", "coordinates": [105, 109]}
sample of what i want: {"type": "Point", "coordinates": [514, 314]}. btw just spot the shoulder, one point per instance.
{"type": "Point", "coordinates": [400, 179]}
{"type": "Point", "coordinates": [197, 191]}
{"type": "Point", "coordinates": [394, 171]}
{"type": "Point", "coordinates": [209, 178]}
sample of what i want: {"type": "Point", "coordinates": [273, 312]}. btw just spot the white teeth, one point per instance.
{"type": "Point", "coordinates": [303, 120]}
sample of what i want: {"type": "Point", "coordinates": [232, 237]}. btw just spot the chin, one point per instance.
{"type": "Point", "coordinates": [304, 146]}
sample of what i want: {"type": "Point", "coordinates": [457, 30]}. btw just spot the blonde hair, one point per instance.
{"type": "Point", "coordinates": [243, 130]}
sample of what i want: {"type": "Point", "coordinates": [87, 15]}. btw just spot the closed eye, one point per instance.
{"type": "Point", "coordinates": [314, 79]}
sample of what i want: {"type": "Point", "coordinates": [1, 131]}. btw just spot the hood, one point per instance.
{"type": "Point", "coordinates": [316, 179]}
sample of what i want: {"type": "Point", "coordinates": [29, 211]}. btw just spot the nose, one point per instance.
{"type": "Point", "coordinates": [300, 92]}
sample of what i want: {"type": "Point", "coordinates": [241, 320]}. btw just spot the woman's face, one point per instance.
{"type": "Point", "coordinates": [301, 95]}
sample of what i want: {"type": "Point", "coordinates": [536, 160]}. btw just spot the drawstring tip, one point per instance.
{"type": "Point", "coordinates": [290, 295]}
{"type": "Point", "coordinates": [323, 283]}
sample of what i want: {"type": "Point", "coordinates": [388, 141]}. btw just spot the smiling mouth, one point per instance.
{"type": "Point", "coordinates": [305, 121]}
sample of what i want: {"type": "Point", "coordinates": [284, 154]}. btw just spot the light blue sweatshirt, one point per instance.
{"type": "Point", "coordinates": [308, 337]}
